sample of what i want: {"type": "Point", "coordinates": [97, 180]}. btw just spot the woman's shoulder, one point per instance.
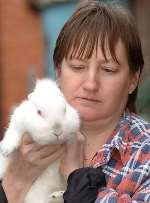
{"type": "Point", "coordinates": [139, 129]}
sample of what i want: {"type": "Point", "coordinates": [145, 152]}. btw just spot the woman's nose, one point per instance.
{"type": "Point", "coordinates": [91, 82]}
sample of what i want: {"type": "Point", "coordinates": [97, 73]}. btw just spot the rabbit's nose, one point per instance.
{"type": "Point", "coordinates": [58, 133]}
{"type": "Point", "coordinates": [57, 127]}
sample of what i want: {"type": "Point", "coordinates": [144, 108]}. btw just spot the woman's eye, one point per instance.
{"type": "Point", "coordinates": [77, 67]}
{"type": "Point", "coordinates": [109, 69]}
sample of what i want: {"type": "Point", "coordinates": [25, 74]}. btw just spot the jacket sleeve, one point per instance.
{"type": "Point", "coordinates": [83, 185]}
{"type": "Point", "coordinates": [135, 186]}
{"type": "Point", "coordinates": [3, 198]}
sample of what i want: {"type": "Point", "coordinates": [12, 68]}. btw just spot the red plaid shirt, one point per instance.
{"type": "Point", "coordinates": [125, 159]}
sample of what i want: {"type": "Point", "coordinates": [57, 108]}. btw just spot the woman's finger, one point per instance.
{"type": "Point", "coordinates": [27, 139]}
{"type": "Point", "coordinates": [75, 151]}
{"type": "Point", "coordinates": [74, 156]}
{"type": "Point", "coordinates": [29, 146]}
{"type": "Point", "coordinates": [49, 158]}
{"type": "Point", "coordinates": [47, 151]}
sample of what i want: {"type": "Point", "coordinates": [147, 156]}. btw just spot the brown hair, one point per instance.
{"type": "Point", "coordinates": [93, 24]}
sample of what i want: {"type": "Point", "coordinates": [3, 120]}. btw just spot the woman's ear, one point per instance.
{"type": "Point", "coordinates": [58, 72]}
{"type": "Point", "coordinates": [134, 81]}
{"type": "Point", "coordinates": [58, 75]}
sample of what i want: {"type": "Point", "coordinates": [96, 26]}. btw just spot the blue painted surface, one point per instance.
{"type": "Point", "coordinates": [53, 18]}
{"type": "Point", "coordinates": [122, 2]}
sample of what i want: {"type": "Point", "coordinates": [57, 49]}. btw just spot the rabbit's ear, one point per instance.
{"type": "Point", "coordinates": [30, 96]}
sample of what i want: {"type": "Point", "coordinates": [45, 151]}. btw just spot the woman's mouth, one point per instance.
{"type": "Point", "coordinates": [89, 99]}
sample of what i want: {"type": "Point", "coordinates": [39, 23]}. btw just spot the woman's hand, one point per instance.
{"type": "Point", "coordinates": [26, 164]}
{"type": "Point", "coordinates": [73, 157]}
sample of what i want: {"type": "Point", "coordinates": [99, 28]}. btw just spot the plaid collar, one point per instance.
{"type": "Point", "coordinates": [118, 140]}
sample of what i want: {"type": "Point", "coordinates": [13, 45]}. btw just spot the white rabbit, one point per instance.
{"type": "Point", "coordinates": [48, 118]}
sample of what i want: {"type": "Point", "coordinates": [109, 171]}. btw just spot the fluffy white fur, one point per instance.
{"type": "Point", "coordinates": [48, 118]}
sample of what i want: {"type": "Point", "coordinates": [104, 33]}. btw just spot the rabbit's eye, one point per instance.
{"type": "Point", "coordinates": [39, 112]}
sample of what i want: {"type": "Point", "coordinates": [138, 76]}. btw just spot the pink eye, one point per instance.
{"type": "Point", "coordinates": [39, 112]}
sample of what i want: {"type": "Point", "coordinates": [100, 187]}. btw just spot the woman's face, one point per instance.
{"type": "Point", "coordinates": [97, 88]}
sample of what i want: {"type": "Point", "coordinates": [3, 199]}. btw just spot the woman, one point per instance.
{"type": "Point", "coordinates": [98, 60]}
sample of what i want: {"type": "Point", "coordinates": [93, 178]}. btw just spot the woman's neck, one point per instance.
{"type": "Point", "coordinates": [98, 130]}
{"type": "Point", "coordinates": [96, 135]}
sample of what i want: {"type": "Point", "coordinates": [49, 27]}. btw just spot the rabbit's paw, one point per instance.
{"type": "Point", "coordinates": [5, 150]}
{"type": "Point", "coordinates": [56, 197]}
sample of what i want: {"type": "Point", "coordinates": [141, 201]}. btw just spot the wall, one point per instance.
{"type": "Point", "coordinates": [142, 12]}
{"type": "Point", "coordinates": [53, 18]}
{"type": "Point", "coordinates": [21, 46]}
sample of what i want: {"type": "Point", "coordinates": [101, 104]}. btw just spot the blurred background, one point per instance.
{"type": "Point", "coordinates": [29, 29]}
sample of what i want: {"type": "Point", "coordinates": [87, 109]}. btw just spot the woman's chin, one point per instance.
{"type": "Point", "coordinates": [87, 113]}
{"type": "Point", "coordinates": [89, 116]}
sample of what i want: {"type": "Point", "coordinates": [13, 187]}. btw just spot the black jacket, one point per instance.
{"type": "Point", "coordinates": [83, 185]}
{"type": "Point", "coordinates": [3, 198]}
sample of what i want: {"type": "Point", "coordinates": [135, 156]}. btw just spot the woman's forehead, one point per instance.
{"type": "Point", "coordinates": [100, 50]}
